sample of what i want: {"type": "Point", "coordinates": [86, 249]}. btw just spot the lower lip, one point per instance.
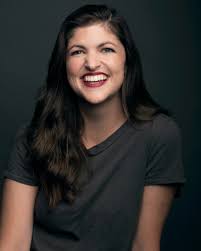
{"type": "Point", "coordinates": [95, 84]}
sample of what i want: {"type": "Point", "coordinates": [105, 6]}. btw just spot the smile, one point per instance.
{"type": "Point", "coordinates": [94, 80]}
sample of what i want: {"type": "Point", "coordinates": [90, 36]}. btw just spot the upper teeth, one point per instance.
{"type": "Point", "coordinates": [95, 78]}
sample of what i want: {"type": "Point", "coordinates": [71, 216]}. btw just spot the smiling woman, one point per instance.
{"type": "Point", "coordinates": [100, 162]}
{"type": "Point", "coordinates": [106, 65]}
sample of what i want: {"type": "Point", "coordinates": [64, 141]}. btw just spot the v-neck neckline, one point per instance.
{"type": "Point", "coordinates": [94, 150]}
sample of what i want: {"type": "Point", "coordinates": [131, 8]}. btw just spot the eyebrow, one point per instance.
{"type": "Point", "coordinates": [83, 47]}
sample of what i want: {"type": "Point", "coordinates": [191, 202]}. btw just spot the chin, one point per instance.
{"type": "Point", "coordinates": [95, 100]}
{"type": "Point", "coordinates": [99, 98]}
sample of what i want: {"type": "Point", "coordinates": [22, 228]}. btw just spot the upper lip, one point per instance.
{"type": "Point", "coordinates": [94, 73]}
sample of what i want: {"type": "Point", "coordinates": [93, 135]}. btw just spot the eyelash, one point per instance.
{"type": "Point", "coordinates": [110, 49]}
{"type": "Point", "coordinates": [76, 52]}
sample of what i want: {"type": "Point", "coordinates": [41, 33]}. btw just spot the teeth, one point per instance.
{"type": "Point", "coordinates": [95, 78]}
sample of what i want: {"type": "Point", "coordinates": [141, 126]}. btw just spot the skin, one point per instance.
{"type": "Point", "coordinates": [97, 104]}
{"type": "Point", "coordinates": [156, 204]}
{"type": "Point", "coordinates": [16, 222]}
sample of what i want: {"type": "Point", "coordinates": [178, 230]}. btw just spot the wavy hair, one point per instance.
{"type": "Point", "coordinates": [58, 155]}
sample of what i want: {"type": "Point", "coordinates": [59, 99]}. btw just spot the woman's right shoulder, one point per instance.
{"type": "Point", "coordinates": [19, 167]}
{"type": "Point", "coordinates": [21, 133]}
{"type": "Point", "coordinates": [22, 130]}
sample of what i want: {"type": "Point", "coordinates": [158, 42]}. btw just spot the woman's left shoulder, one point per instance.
{"type": "Point", "coordinates": [165, 127]}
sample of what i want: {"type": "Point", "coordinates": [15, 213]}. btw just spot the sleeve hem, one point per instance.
{"type": "Point", "coordinates": [177, 183]}
{"type": "Point", "coordinates": [165, 181]}
{"type": "Point", "coordinates": [20, 179]}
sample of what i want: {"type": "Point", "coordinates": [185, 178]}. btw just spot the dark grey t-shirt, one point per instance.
{"type": "Point", "coordinates": [104, 217]}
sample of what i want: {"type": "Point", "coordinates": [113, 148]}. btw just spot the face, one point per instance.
{"type": "Point", "coordinates": [95, 63]}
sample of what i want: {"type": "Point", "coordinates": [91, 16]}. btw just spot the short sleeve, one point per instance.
{"type": "Point", "coordinates": [165, 164]}
{"type": "Point", "coordinates": [19, 165]}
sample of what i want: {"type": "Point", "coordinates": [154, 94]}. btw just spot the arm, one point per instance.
{"type": "Point", "coordinates": [16, 216]}
{"type": "Point", "coordinates": [155, 206]}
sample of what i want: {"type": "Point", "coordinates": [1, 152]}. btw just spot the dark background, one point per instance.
{"type": "Point", "coordinates": [168, 36]}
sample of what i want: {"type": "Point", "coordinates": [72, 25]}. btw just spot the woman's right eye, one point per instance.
{"type": "Point", "coordinates": [76, 52]}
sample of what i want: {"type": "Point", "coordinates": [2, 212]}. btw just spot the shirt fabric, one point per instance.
{"type": "Point", "coordinates": [104, 217]}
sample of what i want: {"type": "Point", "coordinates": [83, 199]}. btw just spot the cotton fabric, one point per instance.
{"type": "Point", "coordinates": [104, 217]}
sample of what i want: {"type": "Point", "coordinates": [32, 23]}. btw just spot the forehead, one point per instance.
{"type": "Point", "coordinates": [93, 34]}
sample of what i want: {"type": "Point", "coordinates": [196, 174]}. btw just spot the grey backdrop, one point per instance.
{"type": "Point", "coordinates": [167, 34]}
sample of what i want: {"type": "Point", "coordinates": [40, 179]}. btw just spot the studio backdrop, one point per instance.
{"type": "Point", "coordinates": [167, 34]}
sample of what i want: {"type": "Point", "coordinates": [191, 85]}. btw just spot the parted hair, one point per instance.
{"type": "Point", "coordinates": [58, 156]}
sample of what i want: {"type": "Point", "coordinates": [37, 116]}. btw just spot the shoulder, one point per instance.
{"type": "Point", "coordinates": [164, 125]}
{"type": "Point", "coordinates": [19, 167]}
{"type": "Point", "coordinates": [160, 126]}
{"type": "Point", "coordinates": [21, 130]}
{"type": "Point", "coordinates": [20, 138]}
{"type": "Point", "coordinates": [164, 130]}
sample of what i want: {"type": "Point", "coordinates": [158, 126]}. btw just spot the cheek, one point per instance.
{"type": "Point", "coordinates": [117, 65]}
{"type": "Point", "coordinates": [73, 67]}
{"type": "Point", "coordinates": [118, 70]}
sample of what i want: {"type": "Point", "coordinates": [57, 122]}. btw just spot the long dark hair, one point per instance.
{"type": "Point", "coordinates": [59, 157]}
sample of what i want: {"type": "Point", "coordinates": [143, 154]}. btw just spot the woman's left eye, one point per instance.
{"type": "Point", "coordinates": [108, 50]}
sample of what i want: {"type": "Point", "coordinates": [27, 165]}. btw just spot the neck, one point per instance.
{"type": "Point", "coordinates": [101, 120]}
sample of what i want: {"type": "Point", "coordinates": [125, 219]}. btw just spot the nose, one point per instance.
{"type": "Point", "coordinates": [92, 61]}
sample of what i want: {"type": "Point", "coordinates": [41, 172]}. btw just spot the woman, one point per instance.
{"type": "Point", "coordinates": [100, 162]}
